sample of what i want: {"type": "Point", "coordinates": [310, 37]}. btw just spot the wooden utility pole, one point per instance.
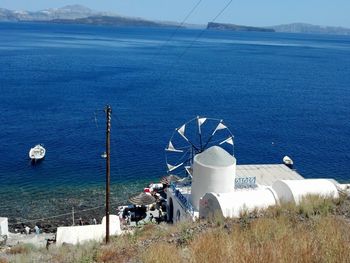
{"type": "Point", "coordinates": [73, 214]}
{"type": "Point", "coordinates": [108, 111]}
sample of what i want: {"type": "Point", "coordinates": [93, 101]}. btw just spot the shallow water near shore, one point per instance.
{"type": "Point", "coordinates": [280, 94]}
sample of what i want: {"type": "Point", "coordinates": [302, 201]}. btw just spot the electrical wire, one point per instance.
{"type": "Point", "coordinates": [198, 36]}
{"type": "Point", "coordinates": [56, 216]}
{"type": "Point", "coordinates": [177, 29]}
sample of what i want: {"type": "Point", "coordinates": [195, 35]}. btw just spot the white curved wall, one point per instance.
{"type": "Point", "coordinates": [213, 171]}
{"type": "Point", "coordinates": [232, 204]}
{"type": "Point", "coordinates": [295, 190]}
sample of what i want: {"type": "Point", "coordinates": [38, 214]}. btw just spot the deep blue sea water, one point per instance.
{"type": "Point", "coordinates": [289, 89]}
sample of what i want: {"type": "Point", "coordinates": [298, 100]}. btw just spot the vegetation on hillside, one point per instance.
{"type": "Point", "coordinates": [318, 230]}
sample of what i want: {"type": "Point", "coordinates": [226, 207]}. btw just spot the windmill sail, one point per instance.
{"type": "Point", "coordinates": [173, 167]}
{"type": "Point", "coordinates": [228, 140]}
{"type": "Point", "coordinates": [171, 148]}
{"type": "Point", "coordinates": [220, 126]}
{"type": "Point", "coordinates": [181, 131]}
{"type": "Point", "coordinates": [200, 122]}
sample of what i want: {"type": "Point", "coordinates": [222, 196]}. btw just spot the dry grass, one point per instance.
{"type": "Point", "coordinates": [19, 249]}
{"type": "Point", "coordinates": [166, 253]}
{"type": "Point", "coordinates": [80, 253]}
{"type": "Point", "coordinates": [310, 232]}
{"type": "Point", "coordinates": [213, 246]}
{"type": "Point", "coordinates": [314, 205]}
{"type": "Point", "coordinates": [65, 254]}
{"type": "Point", "coordinates": [276, 240]}
{"type": "Point", "coordinates": [121, 249]}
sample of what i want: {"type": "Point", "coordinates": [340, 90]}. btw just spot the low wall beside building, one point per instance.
{"type": "Point", "coordinates": [4, 229]}
{"type": "Point", "coordinates": [80, 234]}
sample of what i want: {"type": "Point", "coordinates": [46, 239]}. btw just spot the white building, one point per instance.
{"type": "Point", "coordinates": [4, 230]}
{"type": "Point", "coordinates": [221, 186]}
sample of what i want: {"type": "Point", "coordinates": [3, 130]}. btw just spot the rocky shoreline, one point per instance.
{"type": "Point", "coordinates": [50, 225]}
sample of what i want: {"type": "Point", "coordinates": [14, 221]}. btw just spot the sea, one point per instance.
{"type": "Point", "coordinates": [279, 94]}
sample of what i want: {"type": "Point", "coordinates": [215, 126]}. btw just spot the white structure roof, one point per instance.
{"type": "Point", "coordinates": [295, 190]}
{"type": "Point", "coordinates": [267, 174]}
{"type": "Point", "coordinates": [216, 157]}
{"type": "Point", "coordinates": [232, 204]}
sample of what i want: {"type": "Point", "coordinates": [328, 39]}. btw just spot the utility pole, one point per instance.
{"type": "Point", "coordinates": [108, 111]}
{"type": "Point", "coordinates": [73, 214]}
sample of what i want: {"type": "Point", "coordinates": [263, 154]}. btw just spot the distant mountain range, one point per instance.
{"type": "Point", "coordinates": [67, 12]}
{"type": "Point", "coordinates": [233, 27]}
{"type": "Point", "coordinates": [314, 29]}
{"type": "Point", "coordinates": [78, 14]}
{"type": "Point", "coordinates": [111, 20]}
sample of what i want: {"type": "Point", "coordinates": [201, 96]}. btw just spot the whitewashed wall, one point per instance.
{"type": "Point", "coordinates": [79, 234]}
{"type": "Point", "coordinates": [177, 207]}
{"type": "Point", "coordinates": [214, 170]}
{"type": "Point", "coordinates": [4, 230]}
{"type": "Point", "coordinates": [232, 204]}
{"type": "Point", "coordinates": [295, 190]}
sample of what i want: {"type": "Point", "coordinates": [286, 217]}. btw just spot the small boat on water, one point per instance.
{"type": "Point", "coordinates": [37, 153]}
{"type": "Point", "coordinates": [288, 161]}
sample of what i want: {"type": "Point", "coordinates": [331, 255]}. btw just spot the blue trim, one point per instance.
{"type": "Point", "coordinates": [245, 182]}
{"type": "Point", "coordinates": [182, 199]}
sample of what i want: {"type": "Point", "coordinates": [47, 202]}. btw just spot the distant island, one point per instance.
{"type": "Point", "coordinates": [233, 27]}
{"type": "Point", "coordinates": [111, 20]}
{"type": "Point", "coordinates": [287, 28]}
{"type": "Point", "coordinates": [78, 14]}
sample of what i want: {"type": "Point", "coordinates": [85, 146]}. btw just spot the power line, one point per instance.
{"type": "Point", "coordinates": [222, 10]}
{"type": "Point", "coordinates": [199, 35]}
{"type": "Point", "coordinates": [204, 30]}
{"type": "Point", "coordinates": [56, 216]}
{"type": "Point", "coordinates": [177, 29]}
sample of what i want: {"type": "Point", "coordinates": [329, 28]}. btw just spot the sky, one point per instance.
{"type": "Point", "coordinates": [243, 12]}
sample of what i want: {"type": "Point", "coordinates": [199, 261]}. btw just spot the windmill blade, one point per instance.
{"type": "Point", "coordinates": [189, 170]}
{"type": "Point", "coordinates": [173, 167]}
{"type": "Point", "coordinates": [200, 123]}
{"type": "Point", "coordinates": [181, 131]}
{"type": "Point", "coordinates": [220, 126]}
{"type": "Point", "coordinates": [229, 140]}
{"type": "Point", "coordinates": [171, 148]}
{"type": "Point", "coordinates": [180, 154]}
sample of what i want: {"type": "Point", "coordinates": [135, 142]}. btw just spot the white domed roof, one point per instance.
{"type": "Point", "coordinates": [215, 156]}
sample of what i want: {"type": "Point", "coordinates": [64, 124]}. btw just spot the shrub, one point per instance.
{"type": "Point", "coordinates": [120, 249]}
{"type": "Point", "coordinates": [19, 249]}
{"type": "Point", "coordinates": [313, 205]}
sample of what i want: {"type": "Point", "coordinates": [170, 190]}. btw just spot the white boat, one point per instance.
{"type": "Point", "coordinates": [288, 161]}
{"type": "Point", "coordinates": [37, 153]}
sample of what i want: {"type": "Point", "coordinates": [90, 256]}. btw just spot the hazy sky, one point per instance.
{"type": "Point", "coordinates": [247, 12]}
